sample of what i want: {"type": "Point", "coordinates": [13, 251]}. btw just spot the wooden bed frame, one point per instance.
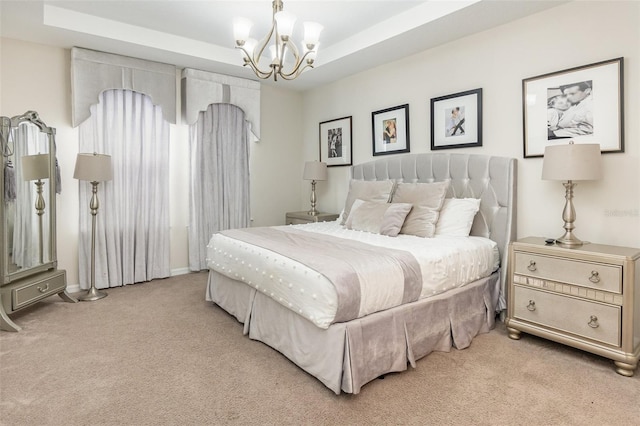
{"type": "Point", "coordinates": [348, 355]}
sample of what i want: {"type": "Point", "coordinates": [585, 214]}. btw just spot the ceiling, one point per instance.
{"type": "Point", "coordinates": [358, 34]}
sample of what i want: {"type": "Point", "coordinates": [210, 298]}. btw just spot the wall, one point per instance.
{"type": "Point", "coordinates": [497, 60]}
{"type": "Point", "coordinates": [276, 165]}
{"type": "Point", "coordinates": [37, 77]}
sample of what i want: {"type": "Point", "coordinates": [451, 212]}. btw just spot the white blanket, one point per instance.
{"type": "Point", "coordinates": [445, 263]}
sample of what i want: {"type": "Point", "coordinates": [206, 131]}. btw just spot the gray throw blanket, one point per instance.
{"type": "Point", "coordinates": [338, 259]}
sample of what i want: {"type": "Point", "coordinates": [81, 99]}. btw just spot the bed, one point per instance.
{"type": "Point", "coordinates": [273, 279]}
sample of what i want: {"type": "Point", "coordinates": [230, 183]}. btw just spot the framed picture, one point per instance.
{"type": "Point", "coordinates": [456, 120]}
{"type": "Point", "coordinates": [336, 142]}
{"type": "Point", "coordinates": [391, 130]}
{"type": "Point", "coordinates": [583, 104]}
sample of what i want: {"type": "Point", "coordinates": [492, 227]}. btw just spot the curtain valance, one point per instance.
{"type": "Point", "coordinates": [94, 72]}
{"type": "Point", "coordinates": [201, 89]}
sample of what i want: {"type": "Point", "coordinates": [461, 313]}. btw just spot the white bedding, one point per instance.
{"type": "Point", "coordinates": [445, 262]}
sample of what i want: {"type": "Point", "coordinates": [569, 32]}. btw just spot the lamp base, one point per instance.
{"type": "Point", "coordinates": [569, 241]}
{"type": "Point", "coordinates": [92, 294]}
{"type": "Point", "coordinates": [313, 211]}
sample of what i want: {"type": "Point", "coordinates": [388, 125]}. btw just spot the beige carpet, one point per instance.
{"type": "Point", "coordinates": [157, 353]}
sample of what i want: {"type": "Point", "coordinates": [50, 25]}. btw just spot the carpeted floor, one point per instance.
{"type": "Point", "coordinates": [157, 353]}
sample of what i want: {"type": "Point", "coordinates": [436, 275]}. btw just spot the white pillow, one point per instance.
{"type": "Point", "coordinates": [378, 218]}
{"type": "Point", "coordinates": [456, 216]}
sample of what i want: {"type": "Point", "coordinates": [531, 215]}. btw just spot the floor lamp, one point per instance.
{"type": "Point", "coordinates": [314, 171]}
{"type": "Point", "coordinates": [94, 168]}
{"type": "Point", "coordinates": [37, 167]}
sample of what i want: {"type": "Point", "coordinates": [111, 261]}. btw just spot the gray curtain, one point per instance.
{"type": "Point", "coordinates": [219, 181]}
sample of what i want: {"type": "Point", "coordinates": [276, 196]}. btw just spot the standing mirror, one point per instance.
{"type": "Point", "coordinates": [28, 215]}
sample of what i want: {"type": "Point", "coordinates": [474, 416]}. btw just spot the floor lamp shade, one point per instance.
{"type": "Point", "coordinates": [93, 167]}
{"type": "Point", "coordinates": [315, 170]}
{"type": "Point", "coordinates": [36, 167]}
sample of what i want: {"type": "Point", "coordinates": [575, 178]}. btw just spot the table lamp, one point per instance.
{"type": "Point", "coordinates": [314, 171]}
{"type": "Point", "coordinates": [569, 163]}
{"type": "Point", "coordinates": [94, 168]}
{"type": "Point", "coordinates": [37, 167]}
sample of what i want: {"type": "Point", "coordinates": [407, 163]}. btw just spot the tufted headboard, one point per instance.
{"type": "Point", "coordinates": [491, 179]}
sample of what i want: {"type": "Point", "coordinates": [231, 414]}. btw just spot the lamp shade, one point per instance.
{"type": "Point", "coordinates": [315, 170]}
{"type": "Point", "coordinates": [93, 167]}
{"type": "Point", "coordinates": [312, 32]}
{"type": "Point", "coordinates": [36, 167]}
{"type": "Point", "coordinates": [285, 22]}
{"type": "Point", "coordinates": [241, 29]}
{"type": "Point", "coordinates": [572, 162]}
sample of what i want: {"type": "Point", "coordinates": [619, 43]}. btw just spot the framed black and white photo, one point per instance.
{"type": "Point", "coordinates": [391, 130]}
{"type": "Point", "coordinates": [582, 104]}
{"type": "Point", "coordinates": [335, 142]}
{"type": "Point", "coordinates": [456, 120]}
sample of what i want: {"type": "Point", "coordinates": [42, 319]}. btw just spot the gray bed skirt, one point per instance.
{"type": "Point", "coordinates": [348, 355]}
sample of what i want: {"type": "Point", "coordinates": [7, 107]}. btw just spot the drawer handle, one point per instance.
{"type": "Point", "coordinates": [45, 289]}
{"type": "Point", "coordinates": [595, 277]}
{"type": "Point", "coordinates": [532, 265]}
{"type": "Point", "coordinates": [531, 306]}
{"type": "Point", "coordinates": [593, 322]}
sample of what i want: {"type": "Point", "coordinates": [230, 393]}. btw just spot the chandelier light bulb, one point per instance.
{"type": "Point", "coordinates": [312, 32]}
{"type": "Point", "coordinates": [250, 48]}
{"type": "Point", "coordinates": [241, 30]}
{"type": "Point", "coordinates": [273, 52]}
{"type": "Point", "coordinates": [285, 22]}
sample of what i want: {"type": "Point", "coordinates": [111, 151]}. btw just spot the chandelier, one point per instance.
{"type": "Point", "coordinates": [281, 48]}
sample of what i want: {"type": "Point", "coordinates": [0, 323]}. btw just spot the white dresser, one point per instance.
{"type": "Point", "coordinates": [586, 297]}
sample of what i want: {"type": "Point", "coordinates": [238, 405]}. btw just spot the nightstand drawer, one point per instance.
{"type": "Point", "coordinates": [294, 221]}
{"type": "Point", "coordinates": [593, 275]}
{"type": "Point", "coordinates": [300, 218]}
{"type": "Point", "coordinates": [593, 320]}
{"type": "Point", "coordinates": [35, 291]}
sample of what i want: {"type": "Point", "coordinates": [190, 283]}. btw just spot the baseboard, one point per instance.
{"type": "Point", "coordinates": [180, 271]}
{"type": "Point", "coordinates": [75, 288]}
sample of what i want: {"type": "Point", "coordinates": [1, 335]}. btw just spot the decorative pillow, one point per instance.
{"type": "Point", "coordinates": [427, 200]}
{"type": "Point", "coordinates": [456, 216]}
{"type": "Point", "coordinates": [376, 217]}
{"type": "Point", "coordinates": [367, 191]}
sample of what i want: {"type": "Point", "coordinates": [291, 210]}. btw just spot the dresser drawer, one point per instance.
{"type": "Point", "coordinates": [593, 320]}
{"type": "Point", "coordinates": [34, 291]}
{"type": "Point", "coordinates": [592, 275]}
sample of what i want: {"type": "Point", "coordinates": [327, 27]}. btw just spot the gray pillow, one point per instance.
{"type": "Point", "coordinates": [376, 217]}
{"type": "Point", "coordinates": [427, 200]}
{"type": "Point", "coordinates": [367, 191]}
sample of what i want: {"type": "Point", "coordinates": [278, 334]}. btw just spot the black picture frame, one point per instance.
{"type": "Point", "coordinates": [553, 113]}
{"type": "Point", "coordinates": [456, 120]}
{"type": "Point", "coordinates": [390, 130]}
{"type": "Point", "coordinates": [336, 142]}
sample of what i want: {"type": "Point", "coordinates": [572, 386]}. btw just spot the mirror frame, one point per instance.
{"type": "Point", "coordinates": [6, 126]}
